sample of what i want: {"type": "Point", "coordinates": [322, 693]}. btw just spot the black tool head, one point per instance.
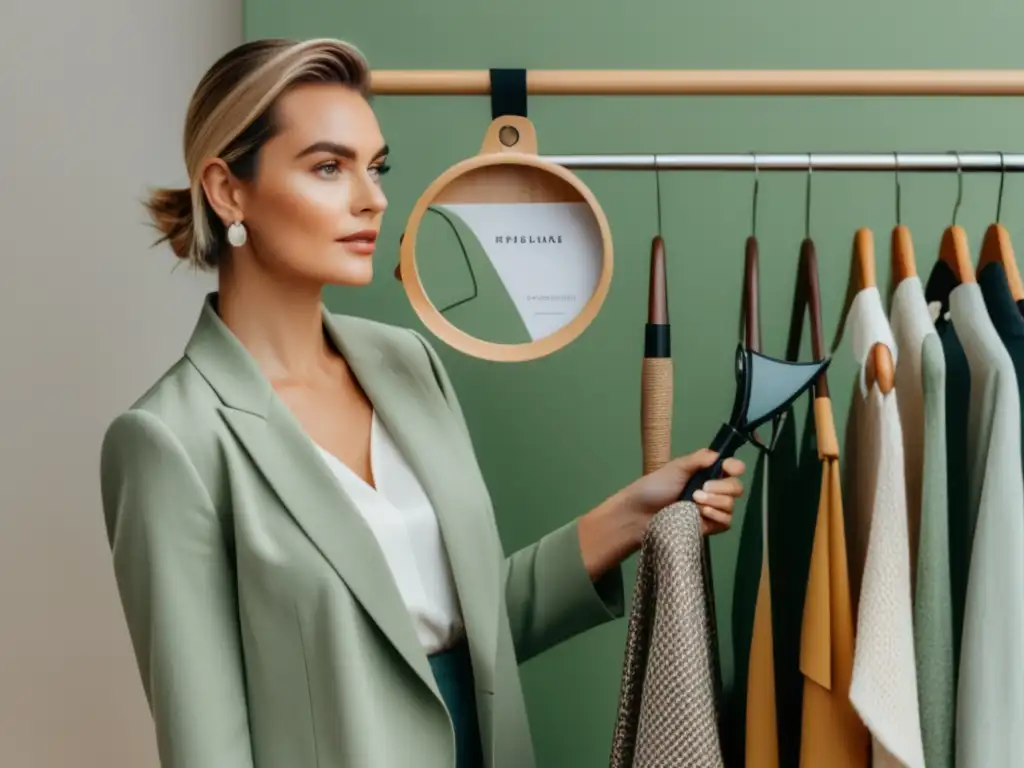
{"type": "Point", "coordinates": [766, 386]}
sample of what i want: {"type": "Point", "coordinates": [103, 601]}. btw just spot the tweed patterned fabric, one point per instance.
{"type": "Point", "coordinates": [667, 716]}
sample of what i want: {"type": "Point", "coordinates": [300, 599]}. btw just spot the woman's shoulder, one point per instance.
{"type": "Point", "coordinates": [175, 416]}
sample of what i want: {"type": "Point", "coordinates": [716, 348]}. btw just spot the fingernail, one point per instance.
{"type": "Point", "coordinates": [700, 496]}
{"type": "Point", "coordinates": [705, 486]}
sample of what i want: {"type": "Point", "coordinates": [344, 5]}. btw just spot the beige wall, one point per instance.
{"type": "Point", "coordinates": [92, 100]}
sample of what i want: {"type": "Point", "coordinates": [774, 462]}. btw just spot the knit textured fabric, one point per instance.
{"type": "Point", "coordinates": [667, 715]}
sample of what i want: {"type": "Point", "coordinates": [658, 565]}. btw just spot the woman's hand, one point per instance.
{"type": "Point", "coordinates": [663, 486]}
{"type": "Point", "coordinates": [613, 531]}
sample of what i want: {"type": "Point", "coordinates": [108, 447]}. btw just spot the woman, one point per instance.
{"type": "Point", "coordinates": [303, 543]}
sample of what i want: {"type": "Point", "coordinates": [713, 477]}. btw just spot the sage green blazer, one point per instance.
{"type": "Point", "coordinates": [267, 627]}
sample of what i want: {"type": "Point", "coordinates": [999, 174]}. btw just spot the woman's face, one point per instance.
{"type": "Point", "coordinates": [314, 208]}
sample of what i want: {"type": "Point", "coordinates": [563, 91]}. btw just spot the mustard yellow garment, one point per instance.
{"type": "Point", "coordinates": [832, 734]}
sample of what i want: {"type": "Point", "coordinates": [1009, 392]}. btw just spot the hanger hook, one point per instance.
{"type": "Point", "coordinates": [753, 207]}
{"type": "Point", "coordinates": [1002, 180]}
{"type": "Point", "coordinates": [896, 165]}
{"type": "Point", "coordinates": [657, 189]}
{"type": "Point", "coordinates": [959, 187]}
{"type": "Point", "coordinates": [807, 197]}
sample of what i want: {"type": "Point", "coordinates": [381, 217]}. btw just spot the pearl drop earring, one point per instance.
{"type": "Point", "coordinates": [237, 234]}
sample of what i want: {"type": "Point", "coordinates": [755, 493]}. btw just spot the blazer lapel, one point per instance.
{"type": "Point", "coordinates": [289, 461]}
{"type": "Point", "coordinates": [430, 442]}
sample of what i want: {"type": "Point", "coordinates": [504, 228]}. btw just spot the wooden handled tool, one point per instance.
{"type": "Point", "coordinates": [656, 373]}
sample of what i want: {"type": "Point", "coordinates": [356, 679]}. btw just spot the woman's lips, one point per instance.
{"type": "Point", "coordinates": [364, 243]}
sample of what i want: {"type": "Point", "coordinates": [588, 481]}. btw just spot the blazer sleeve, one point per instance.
{"type": "Point", "coordinates": [177, 589]}
{"type": "Point", "coordinates": [549, 594]}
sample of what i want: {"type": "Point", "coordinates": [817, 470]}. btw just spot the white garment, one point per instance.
{"type": "Point", "coordinates": [911, 325]}
{"type": "Point", "coordinates": [884, 685]}
{"type": "Point", "coordinates": [405, 524]}
{"type": "Point", "coordinates": [990, 692]}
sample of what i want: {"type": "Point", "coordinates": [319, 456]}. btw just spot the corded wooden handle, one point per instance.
{"type": "Point", "coordinates": [656, 412]}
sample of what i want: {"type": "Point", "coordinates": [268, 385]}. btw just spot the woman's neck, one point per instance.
{"type": "Point", "coordinates": [280, 324]}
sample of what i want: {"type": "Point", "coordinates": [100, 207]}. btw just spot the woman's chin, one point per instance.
{"type": "Point", "coordinates": [352, 272]}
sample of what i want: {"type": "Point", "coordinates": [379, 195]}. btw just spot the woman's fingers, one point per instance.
{"type": "Point", "coordinates": [727, 486]}
{"type": "Point", "coordinates": [714, 520]}
{"type": "Point", "coordinates": [734, 466]}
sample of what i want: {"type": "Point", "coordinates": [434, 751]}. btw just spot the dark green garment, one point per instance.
{"type": "Point", "coordinates": [744, 602]}
{"type": "Point", "coordinates": [453, 671]}
{"type": "Point", "coordinates": [1006, 316]}
{"type": "Point", "coordinates": [958, 396]}
{"type": "Point", "coordinates": [793, 480]}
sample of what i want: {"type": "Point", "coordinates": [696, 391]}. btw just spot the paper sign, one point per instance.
{"type": "Point", "coordinates": [547, 255]}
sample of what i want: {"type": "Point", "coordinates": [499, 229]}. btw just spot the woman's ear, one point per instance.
{"type": "Point", "coordinates": [222, 191]}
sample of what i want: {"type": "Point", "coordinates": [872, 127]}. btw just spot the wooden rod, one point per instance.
{"type": "Point", "coordinates": [682, 82]}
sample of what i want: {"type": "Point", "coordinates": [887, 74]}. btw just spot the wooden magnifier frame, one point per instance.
{"type": "Point", "coordinates": [506, 170]}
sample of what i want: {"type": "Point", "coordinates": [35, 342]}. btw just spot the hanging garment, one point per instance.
{"type": "Point", "coordinates": [667, 711]}
{"type": "Point", "coordinates": [1006, 316]}
{"type": "Point", "coordinates": [884, 685]}
{"type": "Point", "coordinates": [990, 688]}
{"type": "Point", "coordinates": [747, 601]}
{"type": "Point", "coordinates": [941, 281]}
{"type": "Point", "coordinates": [795, 493]}
{"type": "Point", "coordinates": [832, 733]}
{"type": "Point", "coordinates": [762, 743]}
{"type": "Point", "coordinates": [921, 389]}
{"type": "Point", "coordinates": [793, 500]}
{"type": "Point", "coordinates": [754, 744]}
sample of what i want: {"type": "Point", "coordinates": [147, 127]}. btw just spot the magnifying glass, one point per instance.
{"type": "Point", "coordinates": [506, 256]}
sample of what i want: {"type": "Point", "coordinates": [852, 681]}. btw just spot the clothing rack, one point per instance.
{"type": "Point", "coordinates": [973, 162]}
{"type": "Point", "coordinates": [739, 82]}
{"type": "Point", "coordinates": [709, 82]}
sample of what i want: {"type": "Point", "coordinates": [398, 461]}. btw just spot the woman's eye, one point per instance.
{"type": "Point", "coordinates": [379, 170]}
{"type": "Point", "coordinates": [327, 170]}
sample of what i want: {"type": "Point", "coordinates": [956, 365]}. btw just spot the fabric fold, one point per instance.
{"type": "Point", "coordinates": [667, 713]}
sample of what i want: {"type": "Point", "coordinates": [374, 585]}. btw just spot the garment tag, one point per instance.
{"type": "Point", "coordinates": [547, 255]}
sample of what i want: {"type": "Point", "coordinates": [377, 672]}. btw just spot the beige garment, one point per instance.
{"type": "Point", "coordinates": [762, 738]}
{"type": "Point", "coordinates": [832, 733]}
{"type": "Point", "coordinates": [884, 685]}
{"type": "Point", "coordinates": [667, 711]}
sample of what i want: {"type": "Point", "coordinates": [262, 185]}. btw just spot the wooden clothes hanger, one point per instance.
{"type": "Point", "coordinates": [996, 247]}
{"type": "Point", "coordinates": [954, 250]}
{"type": "Point", "coordinates": [807, 297]}
{"type": "Point", "coordinates": [878, 368]}
{"type": "Point", "coordinates": [750, 308]}
{"type": "Point", "coordinates": [901, 251]}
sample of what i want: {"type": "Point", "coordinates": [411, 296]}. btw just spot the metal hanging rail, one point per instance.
{"type": "Point", "coordinates": [709, 82]}
{"type": "Point", "coordinates": [966, 162]}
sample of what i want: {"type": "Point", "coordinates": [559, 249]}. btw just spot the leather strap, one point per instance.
{"type": "Point", "coordinates": [508, 92]}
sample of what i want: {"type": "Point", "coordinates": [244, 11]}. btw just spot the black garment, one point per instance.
{"type": "Point", "coordinates": [1005, 314]}
{"type": "Point", "coordinates": [941, 282]}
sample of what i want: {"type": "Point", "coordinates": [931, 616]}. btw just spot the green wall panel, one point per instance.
{"type": "Point", "coordinates": [558, 435]}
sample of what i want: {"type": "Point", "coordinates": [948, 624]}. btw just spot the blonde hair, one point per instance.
{"type": "Point", "coordinates": [231, 117]}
